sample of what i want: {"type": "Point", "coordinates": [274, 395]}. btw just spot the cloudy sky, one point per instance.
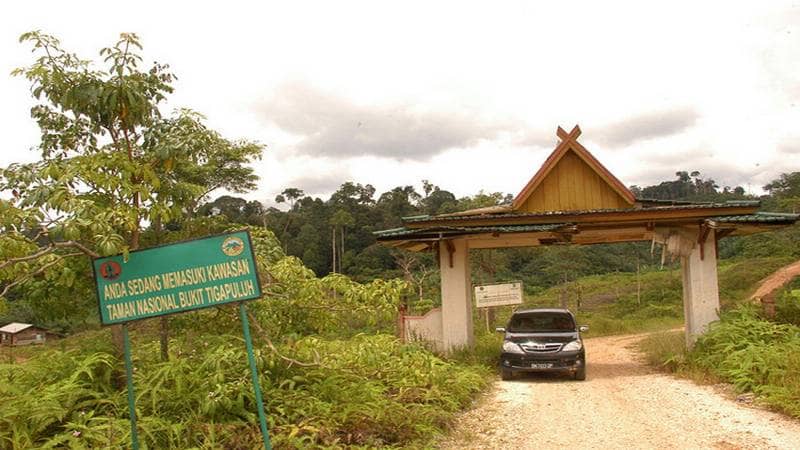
{"type": "Point", "coordinates": [466, 95]}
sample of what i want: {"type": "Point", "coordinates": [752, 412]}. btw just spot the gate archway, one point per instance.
{"type": "Point", "coordinates": [574, 199]}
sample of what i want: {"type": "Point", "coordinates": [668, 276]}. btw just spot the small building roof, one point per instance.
{"type": "Point", "coordinates": [15, 327]}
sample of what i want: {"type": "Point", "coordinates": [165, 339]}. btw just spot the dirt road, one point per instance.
{"type": "Point", "coordinates": [623, 404]}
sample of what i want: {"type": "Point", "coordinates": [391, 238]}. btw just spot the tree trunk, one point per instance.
{"type": "Point", "coordinates": [341, 253]}
{"type": "Point", "coordinates": [285, 230]}
{"type": "Point", "coordinates": [333, 248]}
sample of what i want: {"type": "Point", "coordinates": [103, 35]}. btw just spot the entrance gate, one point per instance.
{"type": "Point", "coordinates": [574, 199]}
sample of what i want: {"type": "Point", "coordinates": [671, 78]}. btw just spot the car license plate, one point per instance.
{"type": "Point", "coordinates": [541, 365]}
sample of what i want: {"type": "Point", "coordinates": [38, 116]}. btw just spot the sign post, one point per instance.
{"type": "Point", "coordinates": [180, 277]}
{"type": "Point", "coordinates": [262, 418]}
{"type": "Point", "coordinates": [131, 394]}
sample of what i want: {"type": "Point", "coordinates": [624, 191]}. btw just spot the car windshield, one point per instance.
{"type": "Point", "coordinates": [538, 322]}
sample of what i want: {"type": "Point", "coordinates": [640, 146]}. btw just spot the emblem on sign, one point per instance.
{"type": "Point", "coordinates": [110, 270]}
{"type": "Point", "coordinates": [232, 246]}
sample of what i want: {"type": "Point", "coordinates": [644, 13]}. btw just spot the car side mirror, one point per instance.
{"type": "Point", "coordinates": [583, 328]}
{"type": "Point", "coordinates": [500, 330]}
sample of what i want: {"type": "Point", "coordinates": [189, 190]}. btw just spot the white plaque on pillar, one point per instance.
{"type": "Point", "coordinates": [498, 294]}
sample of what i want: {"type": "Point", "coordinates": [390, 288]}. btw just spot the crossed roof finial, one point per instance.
{"type": "Point", "coordinates": [572, 136]}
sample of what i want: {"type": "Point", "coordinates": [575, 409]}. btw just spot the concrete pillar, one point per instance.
{"type": "Point", "coordinates": [700, 288]}
{"type": "Point", "coordinates": [456, 294]}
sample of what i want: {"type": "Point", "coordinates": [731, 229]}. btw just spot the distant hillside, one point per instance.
{"type": "Point", "coordinates": [609, 302]}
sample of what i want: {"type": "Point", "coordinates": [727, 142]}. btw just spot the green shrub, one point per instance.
{"type": "Point", "coordinates": [485, 352]}
{"type": "Point", "coordinates": [665, 349]}
{"type": "Point", "coordinates": [787, 307]}
{"type": "Point", "coordinates": [369, 390]}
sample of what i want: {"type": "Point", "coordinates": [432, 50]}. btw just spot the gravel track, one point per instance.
{"type": "Point", "coordinates": [623, 404]}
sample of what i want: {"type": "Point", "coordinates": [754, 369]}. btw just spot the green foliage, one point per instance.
{"type": "Point", "coordinates": [235, 209]}
{"type": "Point", "coordinates": [110, 161]}
{"type": "Point", "coordinates": [787, 307]}
{"type": "Point", "coordinates": [739, 278]}
{"type": "Point", "coordinates": [782, 243]}
{"type": "Point", "coordinates": [690, 186]}
{"type": "Point", "coordinates": [666, 349]}
{"type": "Point", "coordinates": [485, 351]}
{"type": "Point", "coordinates": [785, 192]}
{"type": "Point", "coordinates": [366, 391]}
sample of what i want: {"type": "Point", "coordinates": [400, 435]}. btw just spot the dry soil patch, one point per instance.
{"type": "Point", "coordinates": [622, 404]}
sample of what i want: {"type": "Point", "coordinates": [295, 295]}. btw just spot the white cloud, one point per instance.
{"type": "Point", "coordinates": [466, 96]}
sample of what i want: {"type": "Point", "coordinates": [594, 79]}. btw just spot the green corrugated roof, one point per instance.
{"type": "Point", "coordinates": [658, 205]}
{"type": "Point", "coordinates": [699, 203]}
{"type": "Point", "coordinates": [449, 231]}
{"type": "Point", "coordinates": [759, 217]}
{"type": "Point", "coordinates": [555, 214]}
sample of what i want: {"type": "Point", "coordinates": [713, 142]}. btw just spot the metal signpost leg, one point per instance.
{"type": "Point", "coordinates": [131, 396]}
{"type": "Point", "coordinates": [254, 374]}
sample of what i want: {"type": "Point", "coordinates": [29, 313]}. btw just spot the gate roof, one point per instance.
{"type": "Point", "coordinates": [573, 198]}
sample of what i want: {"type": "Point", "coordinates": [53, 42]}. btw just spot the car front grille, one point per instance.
{"type": "Point", "coordinates": [533, 347]}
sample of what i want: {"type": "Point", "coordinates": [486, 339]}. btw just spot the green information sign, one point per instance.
{"type": "Point", "coordinates": [178, 277]}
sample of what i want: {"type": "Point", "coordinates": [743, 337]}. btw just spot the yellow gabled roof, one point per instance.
{"type": "Point", "coordinates": [569, 143]}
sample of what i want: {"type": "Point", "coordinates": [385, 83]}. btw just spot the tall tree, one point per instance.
{"type": "Point", "coordinates": [110, 161]}
{"type": "Point", "coordinates": [340, 220]}
{"type": "Point", "coordinates": [786, 191]}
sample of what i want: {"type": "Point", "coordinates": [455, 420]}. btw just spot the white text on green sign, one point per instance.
{"type": "Point", "coordinates": [174, 278]}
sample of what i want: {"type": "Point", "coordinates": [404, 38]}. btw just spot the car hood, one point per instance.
{"type": "Point", "coordinates": [561, 338]}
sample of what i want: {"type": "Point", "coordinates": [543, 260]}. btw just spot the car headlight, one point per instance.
{"type": "Point", "coordinates": [573, 346]}
{"type": "Point", "coordinates": [510, 347]}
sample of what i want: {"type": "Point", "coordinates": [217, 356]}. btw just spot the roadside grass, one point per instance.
{"type": "Point", "coordinates": [666, 350]}
{"type": "Point", "coordinates": [485, 353]}
{"type": "Point", "coordinates": [368, 391]}
{"type": "Point", "coordinates": [738, 278]}
{"type": "Point", "coordinates": [754, 355]}
{"type": "Point", "coordinates": [603, 325]}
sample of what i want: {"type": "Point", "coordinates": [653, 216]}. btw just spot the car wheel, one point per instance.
{"type": "Point", "coordinates": [580, 374]}
{"type": "Point", "coordinates": [506, 374]}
